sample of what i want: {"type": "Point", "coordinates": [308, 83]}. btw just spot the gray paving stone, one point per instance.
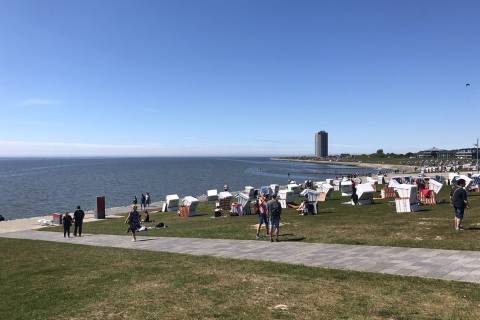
{"type": "Point", "coordinates": [455, 265]}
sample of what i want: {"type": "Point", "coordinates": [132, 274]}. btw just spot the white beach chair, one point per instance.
{"type": "Point", "coordinates": [212, 195]}
{"type": "Point", "coordinates": [365, 193]}
{"type": "Point", "coordinates": [224, 200]}
{"type": "Point", "coordinates": [346, 188]}
{"type": "Point", "coordinates": [284, 197]}
{"type": "Point", "coordinates": [191, 203]}
{"type": "Point", "coordinates": [407, 199]}
{"type": "Point", "coordinates": [171, 203]}
{"type": "Point", "coordinates": [243, 200]}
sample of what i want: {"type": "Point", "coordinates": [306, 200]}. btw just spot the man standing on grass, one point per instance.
{"type": "Point", "coordinates": [274, 212]}
{"type": "Point", "coordinates": [78, 216]}
{"type": "Point", "coordinates": [459, 200]}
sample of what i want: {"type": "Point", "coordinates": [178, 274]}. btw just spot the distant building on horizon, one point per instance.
{"type": "Point", "coordinates": [435, 153]}
{"type": "Point", "coordinates": [321, 144]}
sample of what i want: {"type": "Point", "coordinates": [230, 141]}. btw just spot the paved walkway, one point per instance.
{"type": "Point", "coordinates": [428, 263]}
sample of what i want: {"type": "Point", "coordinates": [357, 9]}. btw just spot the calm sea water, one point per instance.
{"type": "Point", "coordinates": [32, 187]}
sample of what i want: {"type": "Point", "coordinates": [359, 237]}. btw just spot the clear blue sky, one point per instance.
{"type": "Point", "coordinates": [237, 77]}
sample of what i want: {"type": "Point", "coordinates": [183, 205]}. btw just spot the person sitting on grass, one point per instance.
{"type": "Point", "coordinates": [67, 223]}
{"type": "Point", "coordinates": [458, 198]}
{"type": "Point", "coordinates": [133, 221]}
{"type": "Point", "coordinates": [217, 212]}
{"type": "Point", "coordinates": [147, 216]}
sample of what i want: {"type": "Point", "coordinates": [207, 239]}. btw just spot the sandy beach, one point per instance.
{"type": "Point", "coordinates": [408, 169]}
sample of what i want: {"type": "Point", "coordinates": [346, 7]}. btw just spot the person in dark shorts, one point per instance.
{"type": "Point", "coordinates": [67, 223]}
{"type": "Point", "coordinates": [78, 216]}
{"type": "Point", "coordinates": [133, 221]}
{"type": "Point", "coordinates": [354, 194]}
{"type": "Point", "coordinates": [459, 200]}
{"type": "Point", "coordinates": [274, 212]}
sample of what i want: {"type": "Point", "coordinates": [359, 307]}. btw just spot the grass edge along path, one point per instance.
{"type": "Point", "coordinates": [43, 280]}
{"type": "Point", "coordinates": [376, 225]}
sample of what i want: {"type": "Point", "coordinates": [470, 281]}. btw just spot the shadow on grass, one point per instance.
{"type": "Point", "coordinates": [290, 237]}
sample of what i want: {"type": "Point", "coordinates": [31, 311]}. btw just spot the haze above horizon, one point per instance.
{"type": "Point", "coordinates": [236, 78]}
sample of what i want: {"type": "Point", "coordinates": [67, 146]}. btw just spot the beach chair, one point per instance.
{"type": "Point", "coordinates": [243, 201]}
{"type": "Point", "coordinates": [293, 187]}
{"type": "Point", "coordinates": [250, 191]}
{"type": "Point", "coordinates": [372, 181]}
{"type": "Point", "coordinates": [346, 188]}
{"type": "Point", "coordinates": [274, 188]}
{"type": "Point", "coordinates": [312, 196]}
{"type": "Point", "coordinates": [285, 197]}
{"type": "Point", "coordinates": [336, 185]}
{"type": "Point", "coordinates": [427, 197]}
{"type": "Point", "coordinates": [388, 193]}
{"type": "Point", "coordinates": [171, 203]}
{"type": "Point", "coordinates": [265, 191]}
{"type": "Point", "coordinates": [189, 206]}
{"type": "Point", "coordinates": [325, 190]}
{"type": "Point", "coordinates": [224, 200]}
{"type": "Point", "coordinates": [212, 196]}
{"type": "Point", "coordinates": [365, 193]}
{"type": "Point", "coordinates": [406, 198]}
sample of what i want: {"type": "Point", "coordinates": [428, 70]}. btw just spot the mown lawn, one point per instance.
{"type": "Point", "coordinates": [376, 224]}
{"type": "Point", "coordinates": [42, 280]}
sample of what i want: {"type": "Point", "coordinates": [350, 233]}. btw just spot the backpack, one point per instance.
{"type": "Point", "coordinates": [275, 209]}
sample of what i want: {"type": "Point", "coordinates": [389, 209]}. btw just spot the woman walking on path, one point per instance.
{"type": "Point", "coordinates": [133, 221]}
{"type": "Point", "coordinates": [67, 223]}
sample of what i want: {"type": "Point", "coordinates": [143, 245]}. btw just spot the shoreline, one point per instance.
{"type": "Point", "coordinates": [409, 169]}
{"type": "Point", "coordinates": [32, 223]}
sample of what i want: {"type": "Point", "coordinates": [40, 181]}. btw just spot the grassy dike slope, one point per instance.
{"type": "Point", "coordinates": [41, 280]}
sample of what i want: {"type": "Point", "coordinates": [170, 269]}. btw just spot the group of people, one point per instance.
{"type": "Point", "coordinates": [145, 200]}
{"type": "Point", "coordinates": [268, 212]}
{"type": "Point", "coordinates": [77, 220]}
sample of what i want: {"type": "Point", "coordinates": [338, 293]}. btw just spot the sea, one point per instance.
{"type": "Point", "coordinates": [35, 187]}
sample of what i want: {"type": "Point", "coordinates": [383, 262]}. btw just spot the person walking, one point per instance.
{"type": "Point", "coordinates": [133, 221]}
{"type": "Point", "coordinates": [274, 213]}
{"type": "Point", "coordinates": [148, 199]}
{"type": "Point", "coordinates": [260, 209]}
{"type": "Point", "coordinates": [78, 216]}
{"type": "Point", "coordinates": [459, 200]}
{"type": "Point", "coordinates": [354, 194]}
{"type": "Point", "coordinates": [143, 202]}
{"type": "Point", "coordinates": [67, 223]}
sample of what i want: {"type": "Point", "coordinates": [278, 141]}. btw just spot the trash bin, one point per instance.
{"type": "Point", "coordinates": [57, 218]}
{"type": "Point", "coordinates": [100, 213]}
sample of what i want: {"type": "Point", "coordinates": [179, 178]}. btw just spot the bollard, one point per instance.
{"type": "Point", "coordinates": [100, 213]}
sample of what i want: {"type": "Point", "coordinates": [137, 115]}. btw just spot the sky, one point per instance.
{"type": "Point", "coordinates": [236, 77]}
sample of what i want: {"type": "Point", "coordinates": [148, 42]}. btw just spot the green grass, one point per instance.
{"type": "Point", "coordinates": [42, 280]}
{"type": "Point", "coordinates": [376, 224]}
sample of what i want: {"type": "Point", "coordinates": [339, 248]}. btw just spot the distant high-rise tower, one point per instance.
{"type": "Point", "coordinates": [321, 144]}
